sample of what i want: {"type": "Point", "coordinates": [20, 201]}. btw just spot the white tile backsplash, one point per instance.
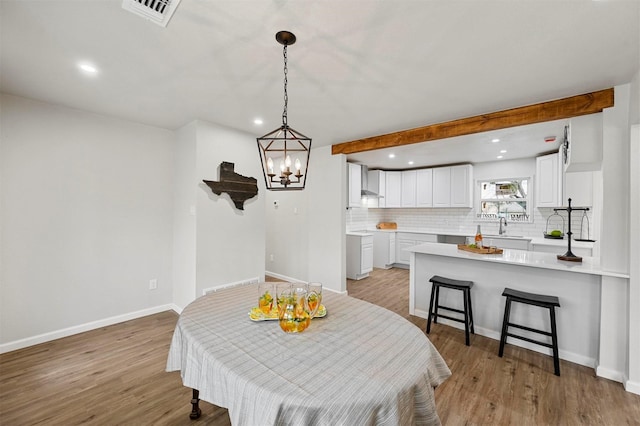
{"type": "Point", "coordinates": [459, 220]}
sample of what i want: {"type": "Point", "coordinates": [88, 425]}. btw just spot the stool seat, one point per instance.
{"type": "Point", "coordinates": [465, 287]}
{"type": "Point", "coordinates": [541, 300]}
{"type": "Point", "coordinates": [531, 298]}
{"type": "Point", "coordinates": [448, 282]}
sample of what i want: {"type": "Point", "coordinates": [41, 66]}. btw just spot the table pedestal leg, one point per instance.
{"type": "Point", "coordinates": [195, 401]}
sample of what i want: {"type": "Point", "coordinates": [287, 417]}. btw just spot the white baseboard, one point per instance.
{"type": "Point", "coordinates": [495, 335]}
{"type": "Point", "coordinates": [53, 335]}
{"type": "Point", "coordinates": [284, 277]}
{"type": "Point", "coordinates": [247, 281]}
{"type": "Point", "coordinates": [610, 374]}
{"type": "Point", "coordinates": [633, 387]}
{"type": "Point", "coordinates": [295, 280]}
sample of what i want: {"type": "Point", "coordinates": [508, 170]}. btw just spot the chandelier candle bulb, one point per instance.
{"type": "Point", "coordinates": [270, 166]}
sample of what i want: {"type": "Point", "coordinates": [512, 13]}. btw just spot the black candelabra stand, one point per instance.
{"type": "Point", "coordinates": [569, 254]}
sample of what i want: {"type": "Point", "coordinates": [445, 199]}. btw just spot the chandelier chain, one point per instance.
{"type": "Point", "coordinates": [286, 96]}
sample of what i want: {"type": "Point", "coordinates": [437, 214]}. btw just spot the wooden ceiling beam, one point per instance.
{"type": "Point", "coordinates": [588, 103]}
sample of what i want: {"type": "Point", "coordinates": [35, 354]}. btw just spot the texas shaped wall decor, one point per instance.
{"type": "Point", "coordinates": [240, 188]}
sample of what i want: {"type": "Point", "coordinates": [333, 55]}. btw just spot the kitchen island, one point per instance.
{"type": "Point", "coordinates": [587, 319]}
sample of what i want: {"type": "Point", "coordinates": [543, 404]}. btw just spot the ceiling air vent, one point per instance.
{"type": "Point", "coordinates": [156, 11]}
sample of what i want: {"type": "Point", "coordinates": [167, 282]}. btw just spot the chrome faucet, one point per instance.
{"type": "Point", "coordinates": [502, 231]}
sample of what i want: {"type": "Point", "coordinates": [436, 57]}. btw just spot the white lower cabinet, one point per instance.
{"type": "Point", "coordinates": [359, 256]}
{"type": "Point", "coordinates": [406, 240]}
{"type": "Point", "coordinates": [384, 249]}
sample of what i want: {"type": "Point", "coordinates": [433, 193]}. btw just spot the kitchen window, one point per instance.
{"type": "Point", "coordinates": [508, 198]}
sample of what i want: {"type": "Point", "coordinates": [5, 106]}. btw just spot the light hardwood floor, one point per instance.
{"type": "Point", "coordinates": [115, 376]}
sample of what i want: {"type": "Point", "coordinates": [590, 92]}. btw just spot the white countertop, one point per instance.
{"type": "Point", "coordinates": [426, 231]}
{"type": "Point", "coordinates": [589, 265]}
{"type": "Point", "coordinates": [533, 240]}
{"type": "Point", "coordinates": [359, 233]}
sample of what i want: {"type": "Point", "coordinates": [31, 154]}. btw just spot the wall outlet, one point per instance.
{"type": "Point", "coordinates": [153, 284]}
{"type": "Point", "coordinates": [271, 257]}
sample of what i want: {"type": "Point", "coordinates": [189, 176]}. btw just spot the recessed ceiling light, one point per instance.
{"type": "Point", "coordinates": [257, 121]}
{"type": "Point", "coordinates": [87, 68]}
{"type": "Point", "coordinates": [495, 140]}
{"type": "Point", "coordinates": [503, 151]}
{"type": "Point", "coordinates": [499, 157]}
{"type": "Point", "coordinates": [410, 162]}
{"type": "Point", "coordinates": [392, 156]}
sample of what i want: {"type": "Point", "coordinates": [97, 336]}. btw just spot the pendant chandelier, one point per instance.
{"type": "Point", "coordinates": [284, 152]}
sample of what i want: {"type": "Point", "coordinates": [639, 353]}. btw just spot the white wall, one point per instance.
{"type": "Point", "coordinates": [185, 184]}
{"type": "Point", "coordinates": [633, 369]}
{"type": "Point", "coordinates": [305, 231]}
{"type": "Point", "coordinates": [230, 243]}
{"type": "Point", "coordinates": [287, 231]}
{"type": "Point", "coordinates": [86, 217]}
{"type": "Point", "coordinates": [327, 206]}
{"type": "Point", "coordinates": [615, 243]}
{"type": "Point", "coordinates": [615, 175]}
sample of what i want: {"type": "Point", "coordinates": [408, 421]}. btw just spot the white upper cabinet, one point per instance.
{"type": "Point", "coordinates": [437, 187]}
{"type": "Point", "coordinates": [554, 187]}
{"type": "Point", "coordinates": [408, 188]}
{"type": "Point", "coordinates": [462, 186]}
{"type": "Point", "coordinates": [442, 187]}
{"type": "Point", "coordinates": [548, 181]}
{"type": "Point", "coordinates": [424, 188]}
{"type": "Point", "coordinates": [354, 178]}
{"type": "Point", "coordinates": [393, 197]}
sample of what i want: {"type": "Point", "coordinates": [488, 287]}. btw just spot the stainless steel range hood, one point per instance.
{"type": "Point", "coordinates": [364, 192]}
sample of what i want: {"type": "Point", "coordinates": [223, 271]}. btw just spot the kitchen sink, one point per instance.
{"type": "Point", "coordinates": [502, 236]}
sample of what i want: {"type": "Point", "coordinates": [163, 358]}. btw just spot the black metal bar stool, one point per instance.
{"type": "Point", "coordinates": [549, 302]}
{"type": "Point", "coordinates": [465, 287]}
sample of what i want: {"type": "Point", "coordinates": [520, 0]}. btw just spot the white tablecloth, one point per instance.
{"type": "Point", "coordinates": [360, 365]}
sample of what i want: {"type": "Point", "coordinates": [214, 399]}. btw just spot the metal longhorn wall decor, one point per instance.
{"type": "Point", "coordinates": [240, 188]}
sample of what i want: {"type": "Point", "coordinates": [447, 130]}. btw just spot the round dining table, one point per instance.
{"type": "Point", "coordinates": [360, 364]}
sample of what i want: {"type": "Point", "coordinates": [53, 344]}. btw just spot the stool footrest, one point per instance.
{"type": "Point", "coordinates": [537, 342]}
{"type": "Point", "coordinates": [448, 317]}
{"type": "Point", "coordinates": [546, 333]}
{"type": "Point", "coordinates": [460, 311]}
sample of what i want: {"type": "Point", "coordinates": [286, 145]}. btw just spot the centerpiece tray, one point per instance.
{"type": "Point", "coordinates": [387, 225]}
{"type": "Point", "coordinates": [483, 250]}
{"type": "Point", "coordinates": [255, 314]}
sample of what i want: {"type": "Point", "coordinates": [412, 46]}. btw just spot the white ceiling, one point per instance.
{"type": "Point", "coordinates": [358, 69]}
{"type": "Point", "coordinates": [512, 143]}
